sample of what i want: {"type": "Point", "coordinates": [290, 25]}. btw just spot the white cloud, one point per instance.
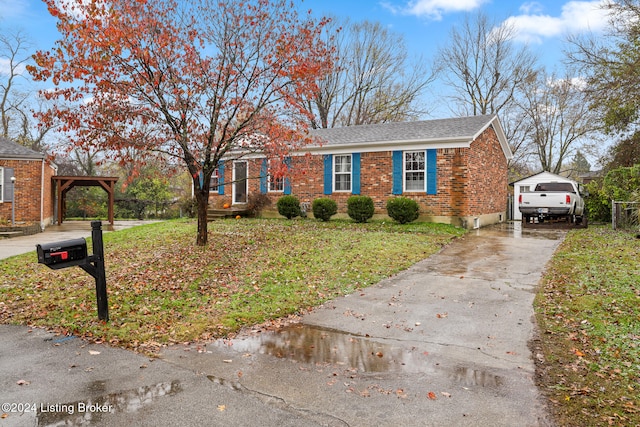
{"type": "Point", "coordinates": [12, 8]}
{"type": "Point", "coordinates": [434, 9]}
{"type": "Point", "coordinates": [576, 16]}
{"type": "Point", "coordinates": [5, 68]}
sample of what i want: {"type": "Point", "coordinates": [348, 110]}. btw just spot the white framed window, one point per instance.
{"type": "Point", "coordinates": [274, 184]}
{"type": "Point", "coordinates": [342, 172]}
{"type": "Point", "coordinates": [414, 171]}
{"type": "Point", "coordinates": [215, 180]}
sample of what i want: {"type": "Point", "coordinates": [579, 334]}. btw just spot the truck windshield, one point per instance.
{"type": "Point", "coordinates": [555, 186]}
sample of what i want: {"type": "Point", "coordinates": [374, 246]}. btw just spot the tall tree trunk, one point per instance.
{"type": "Point", "coordinates": [202, 199]}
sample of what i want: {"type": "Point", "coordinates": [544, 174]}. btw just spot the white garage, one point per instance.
{"type": "Point", "coordinates": [528, 184]}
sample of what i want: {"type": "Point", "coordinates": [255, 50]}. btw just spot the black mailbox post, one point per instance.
{"type": "Point", "coordinates": [68, 253]}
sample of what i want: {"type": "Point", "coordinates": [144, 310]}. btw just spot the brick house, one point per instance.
{"type": "Point", "coordinates": [32, 191]}
{"type": "Point", "coordinates": [456, 169]}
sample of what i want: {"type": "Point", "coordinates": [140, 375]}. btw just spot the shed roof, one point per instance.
{"type": "Point", "coordinates": [542, 176]}
{"type": "Point", "coordinates": [439, 133]}
{"type": "Point", "coordinates": [12, 150]}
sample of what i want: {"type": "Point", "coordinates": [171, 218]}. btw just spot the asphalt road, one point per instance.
{"type": "Point", "coordinates": [444, 343]}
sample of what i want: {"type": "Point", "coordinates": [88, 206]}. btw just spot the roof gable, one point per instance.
{"type": "Point", "coordinates": [439, 133]}
{"type": "Point", "coordinates": [541, 177]}
{"type": "Point", "coordinates": [12, 150]}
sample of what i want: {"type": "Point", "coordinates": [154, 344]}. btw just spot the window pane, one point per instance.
{"type": "Point", "coordinates": [343, 182]}
{"type": "Point", "coordinates": [343, 164]}
{"type": "Point", "coordinates": [276, 184]}
{"type": "Point", "coordinates": [415, 181]}
{"type": "Point", "coordinates": [414, 161]}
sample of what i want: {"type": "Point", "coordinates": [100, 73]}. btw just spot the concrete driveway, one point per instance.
{"type": "Point", "coordinates": [53, 233]}
{"type": "Point", "coordinates": [444, 343]}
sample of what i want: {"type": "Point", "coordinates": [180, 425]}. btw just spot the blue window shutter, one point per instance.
{"type": "Point", "coordinates": [264, 173]}
{"type": "Point", "coordinates": [221, 178]}
{"type": "Point", "coordinates": [355, 173]}
{"type": "Point", "coordinates": [432, 172]}
{"type": "Point", "coordinates": [328, 172]}
{"type": "Point", "coordinates": [396, 160]}
{"type": "Point", "coordinates": [287, 183]}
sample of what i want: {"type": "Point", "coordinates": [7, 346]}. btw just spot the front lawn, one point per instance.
{"type": "Point", "coordinates": [163, 289]}
{"type": "Point", "coordinates": [588, 310]}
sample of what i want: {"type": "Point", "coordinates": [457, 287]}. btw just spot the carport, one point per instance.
{"type": "Point", "coordinates": [62, 185]}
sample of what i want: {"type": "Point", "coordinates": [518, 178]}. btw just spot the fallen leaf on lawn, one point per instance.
{"type": "Point", "coordinates": [23, 382]}
{"type": "Point", "coordinates": [93, 352]}
{"type": "Point", "coordinates": [577, 352]}
{"type": "Point", "coordinates": [431, 395]}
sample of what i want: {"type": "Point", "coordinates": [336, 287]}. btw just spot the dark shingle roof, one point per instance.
{"type": "Point", "coordinates": [12, 150]}
{"type": "Point", "coordinates": [461, 128]}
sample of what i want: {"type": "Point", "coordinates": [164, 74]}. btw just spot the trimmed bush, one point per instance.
{"type": "Point", "coordinates": [289, 206]}
{"type": "Point", "coordinates": [360, 208]}
{"type": "Point", "coordinates": [324, 208]}
{"type": "Point", "coordinates": [403, 209]}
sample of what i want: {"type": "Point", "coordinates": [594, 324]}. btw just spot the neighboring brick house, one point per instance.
{"type": "Point", "coordinates": [31, 192]}
{"type": "Point", "coordinates": [456, 169]}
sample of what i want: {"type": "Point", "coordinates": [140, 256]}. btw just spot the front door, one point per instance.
{"type": "Point", "coordinates": [240, 182]}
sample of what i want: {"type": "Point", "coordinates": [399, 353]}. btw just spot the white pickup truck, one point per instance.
{"type": "Point", "coordinates": [553, 200]}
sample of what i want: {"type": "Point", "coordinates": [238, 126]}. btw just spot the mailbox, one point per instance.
{"type": "Point", "coordinates": [63, 254]}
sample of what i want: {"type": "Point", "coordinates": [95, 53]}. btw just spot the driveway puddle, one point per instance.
{"type": "Point", "coordinates": [90, 411]}
{"type": "Point", "coordinates": [473, 377]}
{"type": "Point", "coordinates": [324, 347]}
{"type": "Point", "coordinates": [319, 346]}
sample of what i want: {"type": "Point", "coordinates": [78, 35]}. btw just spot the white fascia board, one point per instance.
{"type": "Point", "coordinates": [377, 147]}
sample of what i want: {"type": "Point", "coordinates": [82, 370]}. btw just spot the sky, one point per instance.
{"type": "Point", "coordinates": [425, 24]}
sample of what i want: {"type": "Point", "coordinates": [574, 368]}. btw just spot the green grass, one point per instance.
{"type": "Point", "coordinates": [588, 310]}
{"type": "Point", "coordinates": [164, 289]}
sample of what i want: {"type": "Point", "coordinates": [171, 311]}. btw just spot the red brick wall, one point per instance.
{"type": "Point", "coordinates": [27, 196]}
{"type": "Point", "coordinates": [471, 181]}
{"type": "Point", "coordinates": [488, 183]}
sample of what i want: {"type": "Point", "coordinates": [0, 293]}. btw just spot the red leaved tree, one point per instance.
{"type": "Point", "coordinates": [191, 80]}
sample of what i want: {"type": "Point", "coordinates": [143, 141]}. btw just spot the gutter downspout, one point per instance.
{"type": "Point", "coordinates": [42, 225]}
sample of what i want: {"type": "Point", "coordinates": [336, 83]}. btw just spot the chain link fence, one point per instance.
{"type": "Point", "coordinates": [625, 215]}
